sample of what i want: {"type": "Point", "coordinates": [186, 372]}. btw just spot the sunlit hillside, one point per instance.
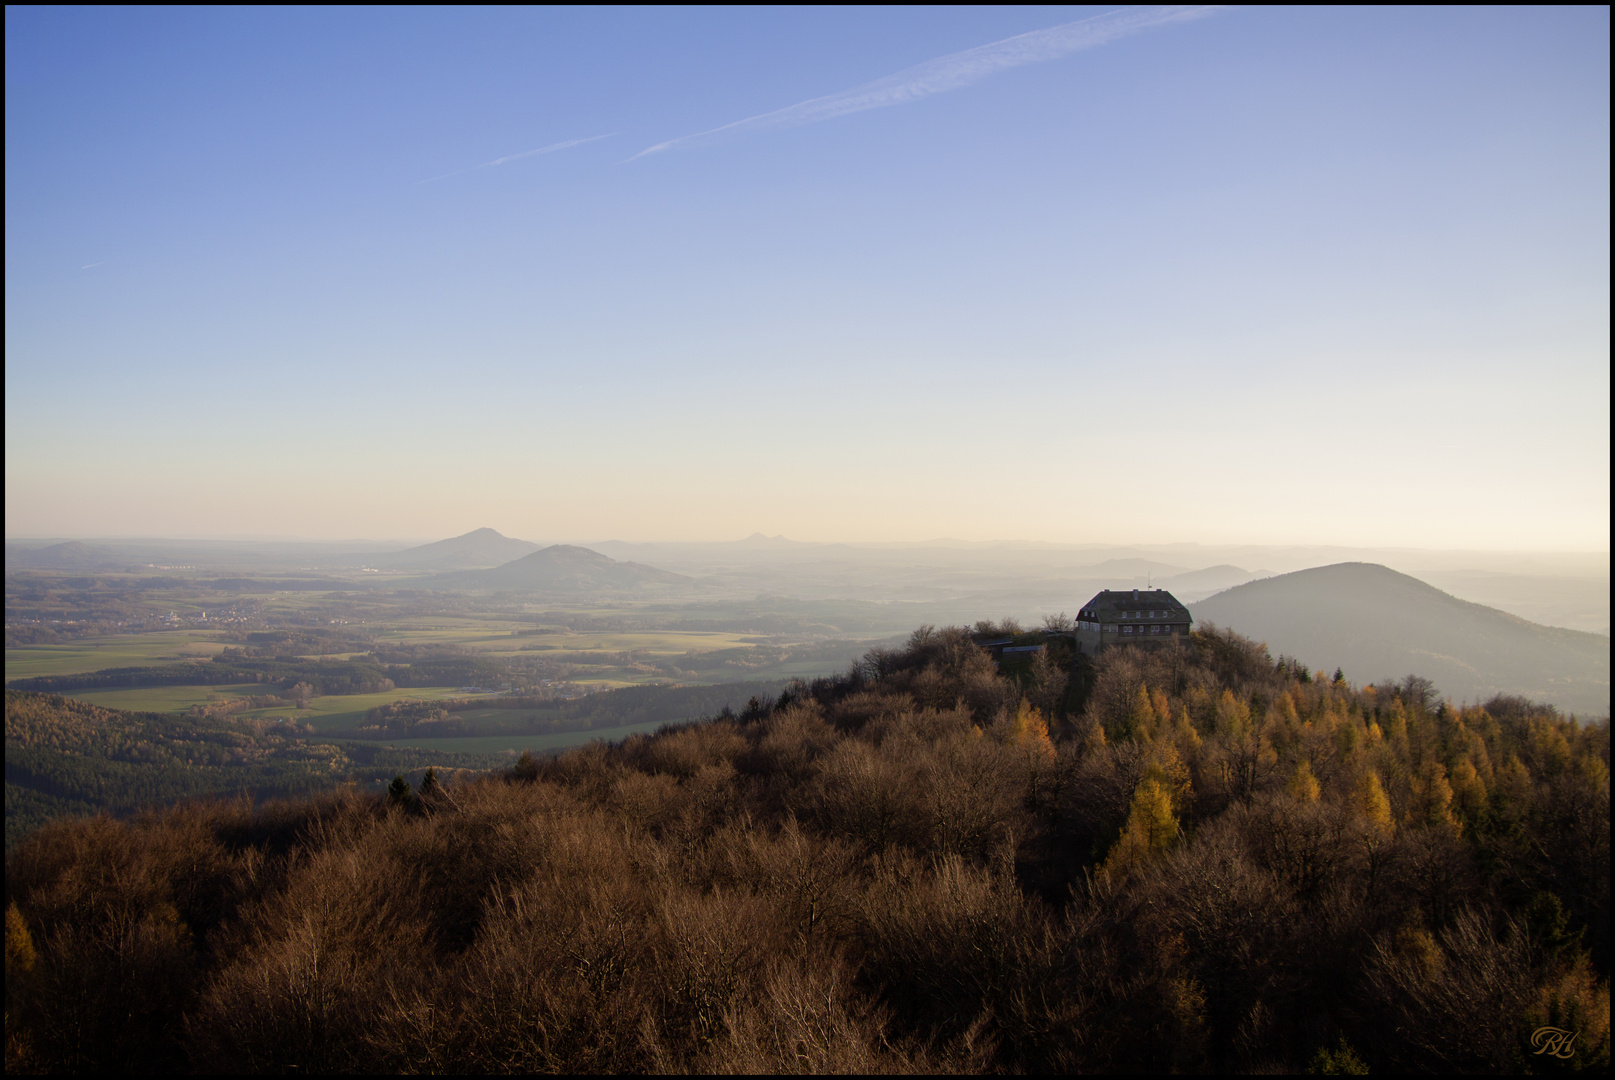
{"type": "Point", "coordinates": [1138, 865]}
{"type": "Point", "coordinates": [1379, 624]}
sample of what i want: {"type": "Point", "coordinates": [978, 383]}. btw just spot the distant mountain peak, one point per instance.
{"type": "Point", "coordinates": [1378, 623]}
{"type": "Point", "coordinates": [567, 552]}
{"type": "Point", "coordinates": [69, 555]}
{"type": "Point", "coordinates": [567, 568]}
{"type": "Point", "coordinates": [482, 547]}
{"type": "Point", "coordinates": [758, 539]}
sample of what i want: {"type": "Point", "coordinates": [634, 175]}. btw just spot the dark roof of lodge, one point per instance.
{"type": "Point", "coordinates": [1112, 601]}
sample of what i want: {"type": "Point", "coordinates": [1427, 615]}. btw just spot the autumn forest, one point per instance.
{"type": "Point", "coordinates": [1184, 859]}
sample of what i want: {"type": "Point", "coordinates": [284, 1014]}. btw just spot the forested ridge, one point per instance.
{"type": "Point", "coordinates": [366, 675]}
{"type": "Point", "coordinates": [1186, 859]}
{"type": "Point", "coordinates": [70, 757]}
{"type": "Point", "coordinates": [521, 715]}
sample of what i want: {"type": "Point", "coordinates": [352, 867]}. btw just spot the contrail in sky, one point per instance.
{"type": "Point", "coordinates": [92, 266]}
{"type": "Point", "coordinates": [952, 71]}
{"type": "Point", "coordinates": [550, 149]}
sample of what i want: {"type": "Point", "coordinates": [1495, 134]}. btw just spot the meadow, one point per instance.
{"type": "Point", "coordinates": [611, 651]}
{"type": "Point", "coordinates": [117, 650]}
{"type": "Point", "coordinates": [358, 648]}
{"type": "Point", "coordinates": [567, 661]}
{"type": "Point", "coordinates": [334, 714]}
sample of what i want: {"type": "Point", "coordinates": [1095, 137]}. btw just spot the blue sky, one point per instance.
{"type": "Point", "coordinates": [1261, 276]}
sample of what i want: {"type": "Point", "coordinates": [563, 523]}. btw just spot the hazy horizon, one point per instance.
{"type": "Point", "coordinates": [1276, 277]}
{"type": "Point", "coordinates": [852, 541]}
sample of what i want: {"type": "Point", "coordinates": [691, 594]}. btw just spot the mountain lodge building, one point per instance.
{"type": "Point", "coordinates": [1131, 617]}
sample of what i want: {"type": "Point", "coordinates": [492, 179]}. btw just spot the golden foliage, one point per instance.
{"type": "Point", "coordinates": [1303, 786]}
{"type": "Point", "coordinates": [1151, 828]}
{"type": "Point", "coordinates": [1432, 796]}
{"type": "Point", "coordinates": [1370, 804]}
{"type": "Point", "coordinates": [20, 954]}
{"type": "Point", "coordinates": [1030, 731]}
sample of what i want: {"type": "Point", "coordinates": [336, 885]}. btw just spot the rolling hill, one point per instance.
{"type": "Point", "coordinates": [476, 550]}
{"type": "Point", "coordinates": [1379, 624]}
{"type": "Point", "coordinates": [1199, 584]}
{"type": "Point", "coordinates": [565, 568]}
{"type": "Point", "coordinates": [72, 555]}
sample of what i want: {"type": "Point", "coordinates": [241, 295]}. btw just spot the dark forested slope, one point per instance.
{"type": "Point", "coordinates": [66, 757]}
{"type": "Point", "coordinates": [1213, 862]}
{"type": "Point", "coordinates": [1379, 624]}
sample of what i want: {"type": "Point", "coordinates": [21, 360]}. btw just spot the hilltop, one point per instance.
{"type": "Point", "coordinates": [1379, 624]}
{"type": "Point", "coordinates": [566, 568]}
{"type": "Point", "coordinates": [1199, 584]}
{"type": "Point", "coordinates": [476, 550]}
{"type": "Point", "coordinates": [71, 555]}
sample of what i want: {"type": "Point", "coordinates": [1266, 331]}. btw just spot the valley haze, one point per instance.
{"type": "Point", "coordinates": [1534, 624]}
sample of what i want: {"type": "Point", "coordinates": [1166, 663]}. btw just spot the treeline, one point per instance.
{"type": "Point", "coordinates": [452, 671]}
{"type": "Point", "coordinates": [734, 663]}
{"type": "Point", "coordinates": [187, 674]}
{"type": "Point", "coordinates": [747, 658]}
{"type": "Point", "coordinates": [764, 615]}
{"type": "Point", "coordinates": [301, 641]}
{"type": "Point", "coordinates": [66, 757]}
{"type": "Point", "coordinates": [271, 585]}
{"type": "Point", "coordinates": [323, 676]}
{"type": "Point", "coordinates": [1213, 865]}
{"type": "Point", "coordinates": [237, 666]}
{"type": "Point", "coordinates": [541, 714]}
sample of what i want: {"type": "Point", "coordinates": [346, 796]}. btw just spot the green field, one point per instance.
{"type": "Point", "coordinates": [339, 713]}
{"type": "Point", "coordinates": [653, 642]}
{"type": "Point", "coordinates": [124, 650]}
{"type": "Point", "coordinates": [495, 638]}
{"type": "Point", "coordinates": [334, 714]}
{"type": "Point", "coordinates": [470, 633]}
{"type": "Point", "coordinates": [591, 660]}
{"type": "Point", "coordinates": [501, 639]}
{"type": "Point", "coordinates": [165, 698]}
